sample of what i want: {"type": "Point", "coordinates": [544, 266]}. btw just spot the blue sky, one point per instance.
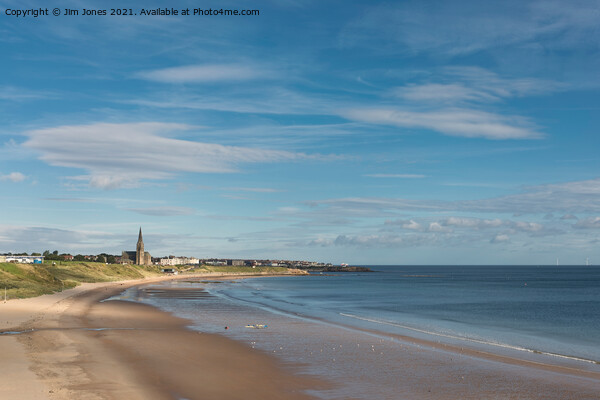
{"type": "Point", "coordinates": [363, 132]}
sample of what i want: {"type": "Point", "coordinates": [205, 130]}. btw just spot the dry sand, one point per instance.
{"type": "Point", "coordinates": [80, 348]}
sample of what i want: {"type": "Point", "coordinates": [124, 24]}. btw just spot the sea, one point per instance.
{"type": "Point", "coordinates": [340, 325]}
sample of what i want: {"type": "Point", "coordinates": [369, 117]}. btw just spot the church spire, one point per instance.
{"type": "Point", "coordinates": [140, 257]}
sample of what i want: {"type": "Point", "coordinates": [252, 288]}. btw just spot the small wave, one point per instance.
{"type": "Point", "coordinates": [472, 340]}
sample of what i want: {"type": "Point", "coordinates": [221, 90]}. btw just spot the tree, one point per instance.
{"type": "Point", "coordinates": [79, 257]}
{"type": "Point", "coordinates": [101, 259]}
{"type": "Point", "coordinates": [46, 253]}
{"type": "Point", "coordinates": [36, 254]}
{"type": "Point", "coordinates": [111, 260]}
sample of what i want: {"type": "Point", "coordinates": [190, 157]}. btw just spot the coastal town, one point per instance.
{"type": "Point", "coordinates": [39, 258]}
{"type": "Point", "coordinates": [171, 264]}
{"type": "Point", "coordinates": [142, 257]}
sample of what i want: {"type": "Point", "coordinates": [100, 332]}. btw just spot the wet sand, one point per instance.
{"type": "Point", "coordinates": [81, 348]}
{"type": "Point", "coordinates": [367, 364]}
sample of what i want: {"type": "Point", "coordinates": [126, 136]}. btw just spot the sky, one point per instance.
{"type": "Point", "coordinates": [363, 132]}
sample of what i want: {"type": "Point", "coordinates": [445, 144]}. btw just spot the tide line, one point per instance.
{"type": "Point", "coordinates": [502, 345]}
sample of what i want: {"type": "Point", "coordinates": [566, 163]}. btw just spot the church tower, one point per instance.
{"type": "Point", "coordinates": [140, 258]}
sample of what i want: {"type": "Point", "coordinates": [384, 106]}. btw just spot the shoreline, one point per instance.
{"type": "Point", "coordinates": [504, 355]}
{"type": "Point", "coordinates": [82, 346]}
{"type": "Point", "coordinates": [448, 371]}
{"type": "Point", "coordinates": [79, 347]}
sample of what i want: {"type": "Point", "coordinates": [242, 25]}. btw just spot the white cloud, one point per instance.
{"type": "Point", "coordinates": [13, 177]}
{"type": "Point", "coordinates": [12, 93]}
{"type": "Point", "coordinates": [568, 216]}
{"type": "Point", "coordinates": [369, 240]}
{"type": "Point", "coordinates": [19, 238]}
{"type": "Point", "coordinates": [412, 225]}
{"type": "Point", "coordinates": [321, 242]}
{"type": "Point", "coordinates": [457, 29]}
{"type": "Point", "coordinates": [466, 224]}
{"type": "Point", "coordinates": [473, 85]}
{"type": "Point", "coordinates": [527, 226]}
{"type": "Point", "coordinates": [263, 99]}
{"type": "Point", "coordinates": [437, 227]}
{"type": "Point", "coordinates": [451, 122]}
{"type": "Point", "coordinates": [493, 86]}
{"type": "Point", "coordinates": [570, 197]}
{"type": "Point", "coordinates": [473, 222]}
{"type": "Point", "coordinates": [588, 223]}
{"type": "Point", "coordinates": [163, 211]}
{"type": "Point", "coordinates": [204, 73]}
{"type": "Point", "coordinates": [441, 93]}
{"type": "Point", "coordinates": [121, 155]}
{"type": "Point", "coordinates": [500, 238]}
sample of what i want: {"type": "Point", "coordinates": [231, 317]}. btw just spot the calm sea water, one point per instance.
{"type": "Point", "coordinates": [524, 311]}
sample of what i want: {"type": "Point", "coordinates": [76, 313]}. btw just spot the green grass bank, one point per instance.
{"type": "Point", "coordinates": [30, 280]}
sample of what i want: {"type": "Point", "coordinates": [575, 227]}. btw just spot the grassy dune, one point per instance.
{"type": "Point", "coordinates": [30, 280]}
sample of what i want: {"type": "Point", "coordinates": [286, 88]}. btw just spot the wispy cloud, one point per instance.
{"type": "Point", "coordinates": [439, 92]}
{"type": "Point", "coordinates": [121, 155]}
{"type": "Point", "coordinates": [448, 29]}
{"type": "Point", "coordinates": [375, 241]}
{"type": "Point", "coordinates": [570, 197]}
{"type": "Point", "coordinates": [452, 224]}
{"type": "Point", "coordinates": [452, 122]}
{"type": "Point", "coordinates": [13, 177]}
{"type": "Point", "coordinates": [163, 211]}
{"type": "Point", "coordinates": [473, 85]}
{"type": "Point", "coordinates": [13, 93]}
{"type": "Point", "coordinates": [588, 223]}
{"type": "Point", "coordinates": [39, 238]}
{"type": "Point", "coordinates": [205, 73]}
{"type": "Point", "coordinates": [266, 99]}
{"type": "Point", "coordinates": [70, 200]}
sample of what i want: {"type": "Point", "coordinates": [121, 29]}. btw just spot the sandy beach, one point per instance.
{"type": "Point", "coordinates": [80, 348]}
{"type": "Point", "coordinates": [74, 346]}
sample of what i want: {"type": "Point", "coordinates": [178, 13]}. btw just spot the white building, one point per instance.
{"type": "Point", "coordinates": [171, 260]}
{"type": "Point", "coordinates": [25, 259]}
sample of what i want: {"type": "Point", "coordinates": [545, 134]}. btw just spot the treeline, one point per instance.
{"type": "Point", "coordinates": [102, 258]}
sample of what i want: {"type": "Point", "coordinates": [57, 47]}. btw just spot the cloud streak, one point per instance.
{"type": "Point", "coordinates": [452, 122]}
{"type": "Point", "coordinates": [207, 73]}
{"type": "Point", "coordinates": [473, 85]}
{"type": "Point", "coordinates": [121, 155]}
{"type": "Point", "coordinates": [163, 211]}
{"type": "Point", "coordinates": [449, 30]}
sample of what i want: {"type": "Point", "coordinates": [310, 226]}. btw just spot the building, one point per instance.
{"type": "Point", "coordinates": [172, 260]}
{"type": "Point", "coordinates": [139, 256]}
{"type": "Point", "coordinates": [22, 259]}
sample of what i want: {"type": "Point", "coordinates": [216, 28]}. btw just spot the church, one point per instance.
{"type": "Point", "coordinates": [139, 256]}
